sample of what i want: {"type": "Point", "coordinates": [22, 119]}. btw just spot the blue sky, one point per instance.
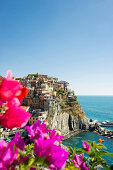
{"type": "Point", "coordinates": [69, 39]}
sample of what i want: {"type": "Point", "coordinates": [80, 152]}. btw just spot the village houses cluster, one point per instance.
{"type": "Point", "coordinates": [42, 95]}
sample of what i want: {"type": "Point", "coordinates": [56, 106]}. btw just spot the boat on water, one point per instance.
{"type": "Point", "coordinates": [107, 123]}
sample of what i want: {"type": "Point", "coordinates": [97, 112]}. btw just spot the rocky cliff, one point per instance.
{"type": "Point", "coordinates": [68, 121]}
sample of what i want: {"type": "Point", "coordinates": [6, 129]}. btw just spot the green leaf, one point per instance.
{"type": "Point", "coordinates": [41, 161]}
{"type": "Point", "coordinates": [85, 159]}
{"type": "Point", "coordinates": [71, 168]}
{"type": "Point", "coordinates": [71, 152]}
{"type": "Point", "coordinates": [100, 146]}
{"type": "Point", "coordinates": [14, 147]}
{"type": "Point", "coordinates": [89, 142]}
{"type": "Point", "coordinates": [31, 162]}
{"type": "Point", "coordinates": [91, 154]}
{"type": "Point", "coordinates": [22, 166]}
{"type": "Point", "coordinates": [29, 148]}
{"type": "Point", "coordinates": [80, 150]}
{"type": "Point", "coordinates": [21, 153]}
{"type": "Point", "coordinates": [105, 153]}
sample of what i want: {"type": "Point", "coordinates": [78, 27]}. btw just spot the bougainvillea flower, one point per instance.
{"type": "Point", "coordinates": [24, 92]}
{"type": "Point", "coordinates": [2, 101]}
{"type": "Point", "coordinates": [9, 151]}
{"type": "Point", "coordinates": [78, 162]}
{"type": "Point", "coordinates": [54, 135]}
{"type": "Point", "coordinates": [3, 145]}
{"type": "Point", "coordinates": [38, 130]}
{"type": "Point", "coordinates": [14, 116]}
{"type": "Point", "coordinates": [54, 155]}
{"type": "Point", "coordinates": [84, 167]}
{"type": "Point", "coordinates": [18, 141]}
{"type": "Point", "coordinates": [86, 146]}
{"type": "Point", "coordinates": [10, 88]}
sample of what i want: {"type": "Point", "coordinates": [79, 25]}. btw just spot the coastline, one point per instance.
{"type": "Point", "coordinates": [92, 127]}
{"type": "Point", "coordinates": [74, 133]}
{"type": "Point", "coordinates": [104, 132]}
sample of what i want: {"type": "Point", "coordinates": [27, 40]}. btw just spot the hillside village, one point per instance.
{"type": "Point", "coordinates": [51, 100]}
{"type": "Point", "coordinates": [45, 95]}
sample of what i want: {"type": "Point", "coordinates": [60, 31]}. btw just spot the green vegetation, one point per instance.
{"type": "Point", "coordinates": [67, 104]}
{"type": "Point", "coordinates": [72, 101]}
{"type": "Point", "coordinates": [93, 156]}
{"type": "Point", "coordinates": [61, 92]}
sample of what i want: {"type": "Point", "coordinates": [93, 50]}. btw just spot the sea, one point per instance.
{"type": "Point", "coordinates": [98, 108]}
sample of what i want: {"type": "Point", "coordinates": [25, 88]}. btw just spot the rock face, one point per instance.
{"type": "Point", "coordinates": [66, 122]}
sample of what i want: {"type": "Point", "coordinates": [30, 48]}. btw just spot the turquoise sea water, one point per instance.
{"type": "Point", "coordinates": [99, 108]}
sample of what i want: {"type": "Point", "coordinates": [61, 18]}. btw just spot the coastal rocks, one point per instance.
{"type": "Point", "coordinates": [68, 124]}
{"type": "Point", "coordinates": [83, 122]}
{"type": "Point", "coordinates": [95, 126]}
{"type": "Point", "coordinates": [105, 132]}
{"type": "Point", "coordinates": [91, 127]}
{"type": "Point", "coordinates": [61, 123]}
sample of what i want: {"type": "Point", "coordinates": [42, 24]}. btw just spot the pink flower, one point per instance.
{"type": "Point", "coordinates": [10, 88]}
{"type": "Point", "coordinates": [86, 146]}
{"type": "Point", "coordinates": [54, 155]}
{"type": "Point", "coordinates": [55, 136]}
{"type": "Point", "coordinates": [38, 130]}
{"type": "Point", "coordinates": [78, 162]}
{"type": "Point", "coordinates": [3, 145]}
{"type": "Point", "coordinates": [12, 93]}
{"type": "Point", "coordinates": [14, 116]}
{"type": "Point", "coordinates": [8, 154]}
